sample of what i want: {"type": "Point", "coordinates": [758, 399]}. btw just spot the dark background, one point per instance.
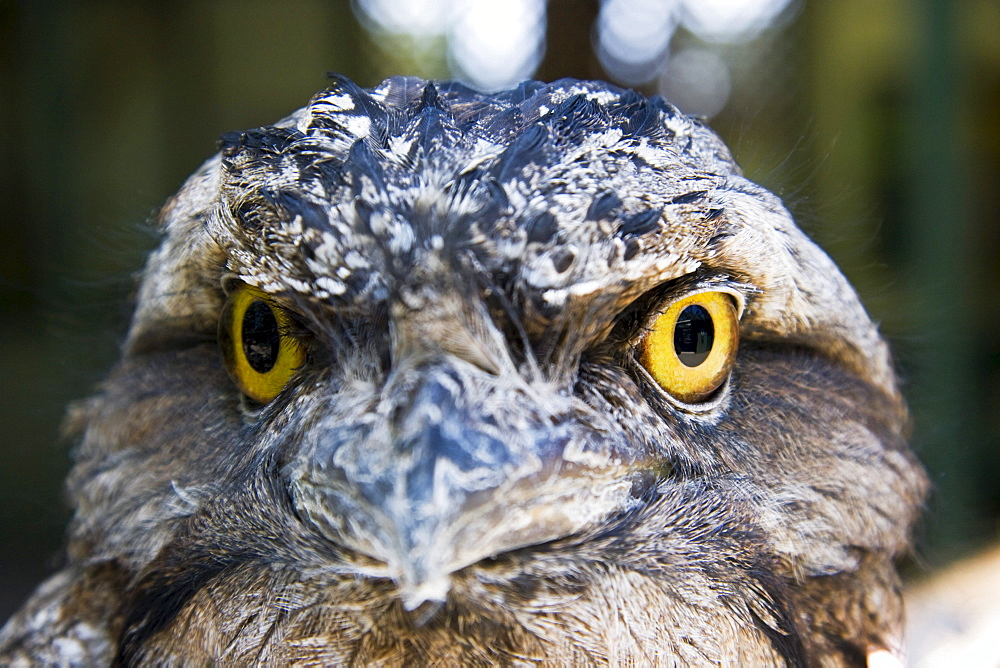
{"type": "Point", "coordinates": [877, 122]}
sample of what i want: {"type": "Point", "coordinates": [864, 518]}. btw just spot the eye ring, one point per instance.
{"type": "Point", "coordinates": [259, 350]}
{"type": "Point", "coordinates": [691, 347]}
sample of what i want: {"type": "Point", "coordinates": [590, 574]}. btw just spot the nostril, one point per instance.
{"type": "Point", "coordinates": [385, 361]}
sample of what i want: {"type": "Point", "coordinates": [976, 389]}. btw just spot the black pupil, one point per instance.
{"type": "Point", "coordinates": [693, 335]}
{"type": "Point", "coordinates": [261, 338]}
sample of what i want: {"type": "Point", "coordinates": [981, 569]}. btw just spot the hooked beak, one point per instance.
{"type": "Point", "coordinates": [455, 465]}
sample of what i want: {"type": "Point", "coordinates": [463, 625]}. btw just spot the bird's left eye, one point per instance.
{"type": "Point", "coordinates": [691, 347]}
{"type": "Point", "coordinates": [259, 350]}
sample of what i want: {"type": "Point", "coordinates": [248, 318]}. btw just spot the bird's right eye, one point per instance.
{"type": "Point", "coordinates": [258, 345]}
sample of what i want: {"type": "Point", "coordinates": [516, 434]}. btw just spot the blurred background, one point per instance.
{"type": "Point", "coordinates": [876, 121]}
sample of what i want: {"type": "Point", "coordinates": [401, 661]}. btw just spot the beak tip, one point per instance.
{"type": "Point", "coordinates": [433, 588]}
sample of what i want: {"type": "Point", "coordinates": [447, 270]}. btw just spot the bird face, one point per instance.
{"type": "Point", "coordinates": [421, 373]}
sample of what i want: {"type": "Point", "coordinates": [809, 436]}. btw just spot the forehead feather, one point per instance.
{"type": "Point", "coordinates": [563, 181]}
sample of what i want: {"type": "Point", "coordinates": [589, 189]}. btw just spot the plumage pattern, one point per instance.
{"type": "Point", "coordinates": [472, 467]}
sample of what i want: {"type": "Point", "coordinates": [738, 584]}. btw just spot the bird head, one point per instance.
{"type": "Point", "coordinates": [457, 346]}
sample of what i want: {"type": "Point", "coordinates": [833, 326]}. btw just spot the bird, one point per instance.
{"type": "Point", "coordinates": [423, 375]}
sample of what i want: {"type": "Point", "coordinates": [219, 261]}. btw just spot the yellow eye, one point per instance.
{"type": "Point", "coordinates": [691, 347]}
{"type": "Point", "coordinates": [260, 353]}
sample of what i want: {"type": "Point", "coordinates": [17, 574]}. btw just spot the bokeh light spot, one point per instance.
{"type": "Point", "coordinates": [731, 21]}
{"type": "Point", "coordinates": [420, 18]}
{"type": "Point", "coordinates": [696, 81]}
{"type": "Point", "coordinates": [633, 37]}
{"type": "Point", "coordinates": [494, 44]}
